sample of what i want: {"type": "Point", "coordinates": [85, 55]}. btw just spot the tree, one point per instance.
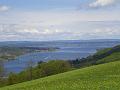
{"type": "Point", "coordinates": [30, 65]}
{"type": "Point", "coordinates": [12, 79]}
{"type": "Point", "coordinates": [54, 67]}
{"type": "Point", "coordinates": [1, 68]}
{"type": "Point", "coordinates": [43, 69]}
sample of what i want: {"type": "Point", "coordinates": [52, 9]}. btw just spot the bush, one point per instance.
{"type": "Point", "coordinates": [53, 67]}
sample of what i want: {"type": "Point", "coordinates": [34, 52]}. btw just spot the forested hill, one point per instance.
{"type": "Point", "coordinates": [102, 56]}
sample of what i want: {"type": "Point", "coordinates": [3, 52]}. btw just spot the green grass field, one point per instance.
{"type": "Point", "coordinates": [99, 77]}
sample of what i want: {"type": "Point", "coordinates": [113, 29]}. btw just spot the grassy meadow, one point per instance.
{"type": "Point", "coordinates": [98, 77]}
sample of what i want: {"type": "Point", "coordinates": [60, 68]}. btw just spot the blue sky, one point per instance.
{"type": "Point", "coordinates": [42, 4]}
{"type": "Point", "coordinates": [59, 19]}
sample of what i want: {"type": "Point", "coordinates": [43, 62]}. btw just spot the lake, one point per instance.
{"type": "Point", "coordinates": [68, 50]}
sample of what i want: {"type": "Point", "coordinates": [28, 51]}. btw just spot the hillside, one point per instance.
{"type": "Point", "coordinates": [100, 57]}
{"type": "Point", "coordinates": [99, 77]}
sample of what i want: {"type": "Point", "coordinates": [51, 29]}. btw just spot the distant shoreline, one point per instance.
{"type": "Point", "coordinates": [10, 53]}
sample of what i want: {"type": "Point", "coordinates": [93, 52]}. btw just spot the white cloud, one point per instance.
{"type": "Point", "coordinates": [81, 30]}
{"type": "Point", "coordinates": [3, 8]}
{"type": "Point", "coordinates": [49, 25]}
{"type": "Point", "coordinates": [48, 18]}
{"type": "Point", "coordinates": [105, 31]}
{"type": "Point", "coordinates": [29, 30]}
{"type": "Point", "coordinates": [101, 3]}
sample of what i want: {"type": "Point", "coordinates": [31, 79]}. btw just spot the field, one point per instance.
{"type": "Point", "coordinates": [99, 77]}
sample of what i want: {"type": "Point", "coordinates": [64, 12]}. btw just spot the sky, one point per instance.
{"type": "Point", "coordinates": [39, 20]}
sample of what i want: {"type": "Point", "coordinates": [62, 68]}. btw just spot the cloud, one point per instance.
{"type": "Point", "coordinates": [4, 8]}
{"type": "Point", "coordinates": [101, 3]}
{"type": "Point", "coordinates": [105, 32]}
{"type": "Point", "coordinates": [50, 25]}
{"type": "Point", "coordinates": [81, 30]}
{"type": "Point", "coordinates": [23, 32]}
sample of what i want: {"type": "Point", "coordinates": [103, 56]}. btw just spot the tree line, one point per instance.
{"type": "Point", "coordinates": [43, 69]}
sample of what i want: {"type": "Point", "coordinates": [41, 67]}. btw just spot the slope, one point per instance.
{"type": "Point", "coordinates": [98, 77]}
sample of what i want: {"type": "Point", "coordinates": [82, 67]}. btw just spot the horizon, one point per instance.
{"type": "Point", "coordinates": [63, 40]}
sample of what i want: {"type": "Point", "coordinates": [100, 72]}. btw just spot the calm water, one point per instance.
{"type": "Point", "coordinates": [68, 50]}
